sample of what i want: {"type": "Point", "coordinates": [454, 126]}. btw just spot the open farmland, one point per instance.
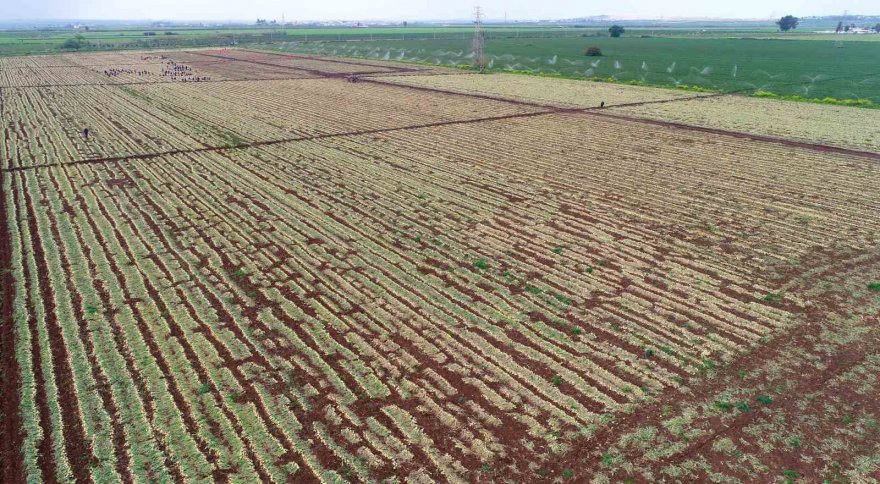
{"type": "Point", "coordinates": [747, 62]}
{"type": "Point", "coordinates": [424, 275]}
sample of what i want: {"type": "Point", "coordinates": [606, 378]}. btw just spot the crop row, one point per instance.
{"type": "Point", "coordinates": [44, 125]}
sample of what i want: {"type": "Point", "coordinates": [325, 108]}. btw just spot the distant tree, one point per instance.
{"type": "Point", "coordinates": [71, 44]}
{"type": "Point", "coordinates": [847, 28]}
{"type": "Point", "coordinates": [789, 22]}
{"type": "Point", "coordinates": [877, 28]}
{"type": "Point", "coordinates": [405, 23]}
{"type": "Point", "coordinates": [76, 42]}
{"type": "Point", "coordinates": [616, 31]}
{"type": "Point", "coordinates": [593, 51]}
{"type": "Point", "coordinates": [839, 28]}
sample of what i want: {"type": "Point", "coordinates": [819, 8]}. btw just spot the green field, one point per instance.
{"type": "Point", "coordinates": [29, 42]}
{"type": "Point", "coordinates": [805, 64]}
{"type": "Point", "coordinates": [808, 68]}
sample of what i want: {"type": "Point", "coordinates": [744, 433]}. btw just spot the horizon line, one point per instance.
{"type": "Point", "coordinates": [436, 20]}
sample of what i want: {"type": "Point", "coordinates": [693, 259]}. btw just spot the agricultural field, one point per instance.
{"type": "Point", "coordinates": [265, 266]}
{"type": "Point", "coordinates": [806, 68]}
{"type": "Point", "coordinates": [835, 126]}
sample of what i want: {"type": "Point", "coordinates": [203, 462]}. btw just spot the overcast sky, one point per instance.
{"type": "Point", "coordinates": [419, 9]}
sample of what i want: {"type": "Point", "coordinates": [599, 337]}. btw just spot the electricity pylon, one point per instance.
{"type": "Point", "coordinates": [479, 38]}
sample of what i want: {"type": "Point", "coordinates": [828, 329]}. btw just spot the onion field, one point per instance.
{"type": "Point", "coordinates": [276, 267]}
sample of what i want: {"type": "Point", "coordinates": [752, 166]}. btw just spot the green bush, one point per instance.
{"type": "Point", "coordinates": [723, 405]}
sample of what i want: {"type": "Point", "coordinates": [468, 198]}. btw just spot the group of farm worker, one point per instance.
{"type": "Point", "coordinates": [184, 73]}
{"type": "Point", "coordinates": [175, 70]}
{"type": "Point", "coordinates": [116, 72]}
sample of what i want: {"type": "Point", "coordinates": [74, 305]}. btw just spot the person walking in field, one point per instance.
{"type": "Point", "coordinates": [86, 133]}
